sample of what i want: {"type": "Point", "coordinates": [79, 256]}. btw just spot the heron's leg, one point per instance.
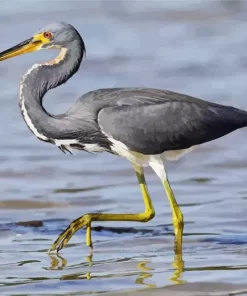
{"type": "Point", "coordinates": [87, 219]}
{"type": "Point", "coordinates": [177, 216]}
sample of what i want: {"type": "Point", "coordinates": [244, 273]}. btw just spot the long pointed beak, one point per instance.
{"type": "Point", "coordinates": [26, 46]}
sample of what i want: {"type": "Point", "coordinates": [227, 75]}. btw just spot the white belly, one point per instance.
{"type": "Point", "coordinates": [142, 159]}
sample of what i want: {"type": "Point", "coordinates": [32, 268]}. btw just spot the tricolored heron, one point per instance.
{"type": "Point", "coordinates": [143, 125]}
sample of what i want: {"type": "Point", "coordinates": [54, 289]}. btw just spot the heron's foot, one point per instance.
{"type": "Point", "coordinates": [86, 221]}
{"type": "Point", "coordinates": [66, 235]}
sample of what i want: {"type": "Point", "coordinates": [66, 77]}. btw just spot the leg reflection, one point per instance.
{"type": "Point", "coordinates": [145, 274]}
{"type": "Point", "coordinates": [89, 259]}
{"type": "Point", "coordinates": [57, 262]}
{"type": "Point", "coordinates": [178, 262]}
{"type": "Point", "coordinates": [178, 265]}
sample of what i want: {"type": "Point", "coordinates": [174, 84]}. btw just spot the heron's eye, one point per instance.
{"type": "Point", "coordinates": [48, 35]}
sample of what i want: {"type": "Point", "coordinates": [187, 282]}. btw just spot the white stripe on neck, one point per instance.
{"type": "Point", "coordinates": [23, 108]}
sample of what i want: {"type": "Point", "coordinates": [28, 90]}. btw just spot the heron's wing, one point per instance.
{"type": "Point", "coordinates": [153, 129]}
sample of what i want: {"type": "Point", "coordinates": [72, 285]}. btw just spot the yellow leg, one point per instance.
{"type": "Point", "coordinates": [86, 219]}
{"type": "Point", "coordinates": [177, 217]}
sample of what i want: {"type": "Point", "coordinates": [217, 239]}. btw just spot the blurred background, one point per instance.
{"type": "Point", "coordinates": [196, 47]}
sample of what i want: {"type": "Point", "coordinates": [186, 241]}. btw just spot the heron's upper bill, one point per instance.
{"type": "Point", "coordinates": [32, 44]}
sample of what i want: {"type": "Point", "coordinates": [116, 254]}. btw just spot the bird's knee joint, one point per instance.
{"type": "Point", "coordinates": [148, 215]}
{"type": "Point", "coordinates": [181, 219]}
{"type": "Point", "coordinates": [87, 218]}
{"type": "Point", "coordinates": [178, 221]}
{"type": "Point", "coordinates": [80, 222]}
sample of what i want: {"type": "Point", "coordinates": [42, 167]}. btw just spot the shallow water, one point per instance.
{"type": "Point", "coordinates": [195, 47]}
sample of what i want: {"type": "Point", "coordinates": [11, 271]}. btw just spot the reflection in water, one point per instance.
{"type": "Point", "coordinates": [178, 262]}
{"type": "Point", "coordinates": [58, 262]}
{"type": "Point", "coordinates": [144, 275]}
{"type": "Point", "coordinates": [89, 259]}
{"type": "Point", "coordinates": [178, 265]}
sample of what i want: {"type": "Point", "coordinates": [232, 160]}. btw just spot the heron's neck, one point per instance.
{"type": "Point", "coordinates": [37, 81]}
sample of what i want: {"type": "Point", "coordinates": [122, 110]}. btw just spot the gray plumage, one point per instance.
{"type": "Point", "coordinates": [148, 121]}
{"type": "Point", "coordinates": [170, 121]}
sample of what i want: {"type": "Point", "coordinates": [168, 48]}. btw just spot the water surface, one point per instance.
{"type": "Point", "coordinates": [194, 47]}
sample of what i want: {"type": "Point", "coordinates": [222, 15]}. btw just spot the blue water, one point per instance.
{"type": "Point", "coordinates": [193, 47]}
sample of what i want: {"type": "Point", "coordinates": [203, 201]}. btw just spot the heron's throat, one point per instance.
{"type": "Point", "coordinates": [40, 79]}
{"type": "Point", "coordinates": [59, 58]}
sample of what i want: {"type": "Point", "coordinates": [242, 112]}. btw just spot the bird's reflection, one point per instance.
{"type": "Point", "coordinates": [57, 261]}
{"type": "Point", "coordinates": [178, 263]}
{"type": "Point", "coordinates": [145, 274]}
{"type": "Point", "coordinates": [143, 271]}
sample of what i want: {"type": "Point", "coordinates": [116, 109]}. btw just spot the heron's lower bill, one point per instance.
{"type": "Point", "coordinates": [26, 46]}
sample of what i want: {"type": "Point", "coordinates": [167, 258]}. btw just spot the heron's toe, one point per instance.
{"type": "Point", "coordinates": [66, 235]}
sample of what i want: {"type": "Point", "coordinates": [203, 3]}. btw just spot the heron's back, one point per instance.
{"type": "Point", "coordinates": [152, 121]}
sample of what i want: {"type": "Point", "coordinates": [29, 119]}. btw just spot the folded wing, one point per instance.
{"type": "Point", "coordinates": [172, 125]}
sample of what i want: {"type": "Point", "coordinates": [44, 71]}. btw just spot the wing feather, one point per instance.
{"type": "Point", "coordinates": [172, 125]}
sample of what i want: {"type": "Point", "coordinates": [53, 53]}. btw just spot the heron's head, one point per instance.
{"type": "Point", "coordinates": [57, 35]}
